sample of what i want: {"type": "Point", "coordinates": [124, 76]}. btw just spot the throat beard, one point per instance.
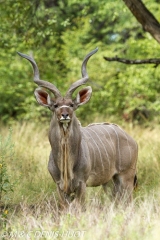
{"type": "Point", "coordinates": [65, 126]}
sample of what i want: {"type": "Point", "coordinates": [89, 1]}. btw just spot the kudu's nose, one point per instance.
{"type": "Point", "coordinates": [65, 115]}
{"type": "Point", "coordinates": [65, 118]}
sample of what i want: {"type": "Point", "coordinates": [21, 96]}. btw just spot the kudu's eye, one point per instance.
{"type": "Point", "coordinates": [71, 105]}
{"type": "Point", "coordinates": [55, 105]}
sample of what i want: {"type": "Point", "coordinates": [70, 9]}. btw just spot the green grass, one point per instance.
{"type": "Point", "coordinates": [33, 208]}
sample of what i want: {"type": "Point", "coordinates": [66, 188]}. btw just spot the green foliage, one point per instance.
{"type": "Point", "coordinates": [59, 34]}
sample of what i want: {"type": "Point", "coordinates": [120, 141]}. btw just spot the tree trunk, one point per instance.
{"type": "Point", "coordinates": [145, 17]}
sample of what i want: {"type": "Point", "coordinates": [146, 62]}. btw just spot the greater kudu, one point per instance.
{"type": "Point", "coordinates": [84, 156]}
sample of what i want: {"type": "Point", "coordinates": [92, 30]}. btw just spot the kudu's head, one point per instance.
{"type": "Point", "coordinates": [62, 106]}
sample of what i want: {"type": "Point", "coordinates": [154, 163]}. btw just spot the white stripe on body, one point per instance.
{"type": "Point", "coordinates": [103, 126]}
{"type": "Point", "coordinates": [86, 136]}
{"type": "Point", "coordinates": [96, 146]}
{"type": "Point", "coordinates": [127, 141]}
{"type": "Point", "coordinates": [103, 146]}
{"type": "Point", "coordinates": [120, 158]}
{"type": "Point", "coordinates": [113, 150]}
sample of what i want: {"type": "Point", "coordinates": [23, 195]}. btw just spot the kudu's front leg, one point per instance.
{"type": "Point", "coordinates": [76, 198]}
{"type": "Point", "coordinates": [81, 192]}
{"type": "Point", "coordinates": [80, 196]}
{"type": "Point", "coordinates": [63, 199]}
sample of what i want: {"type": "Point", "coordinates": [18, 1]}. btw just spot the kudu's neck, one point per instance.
{"type": "Point", "coordinates": [65, 140]}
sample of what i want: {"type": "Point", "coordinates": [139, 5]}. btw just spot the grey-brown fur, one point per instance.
{"type": "Point", "coordinates": [84, 156]}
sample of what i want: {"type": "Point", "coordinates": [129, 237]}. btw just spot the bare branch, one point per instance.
{"type": "Point", "coordinates": [136, 61]}
{"type": "Point", "coordinates": [145, 17]}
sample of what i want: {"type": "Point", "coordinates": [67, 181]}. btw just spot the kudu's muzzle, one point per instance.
{"type": "Point", "coordinates": [65, 114]}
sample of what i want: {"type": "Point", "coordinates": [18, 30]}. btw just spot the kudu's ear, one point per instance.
{"type": "Point", "coordinates": [42, 97]}
{"type": "Point", "coordinates": [83, 96]}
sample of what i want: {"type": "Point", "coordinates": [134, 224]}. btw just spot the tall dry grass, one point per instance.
{"type": "Point", "coordinates": [33, 211]}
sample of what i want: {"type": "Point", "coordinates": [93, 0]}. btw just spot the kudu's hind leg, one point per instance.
{"type": "Point", "coordinates": [123, 186]}
{"type": "Point", "coordinates": [116, 187]}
